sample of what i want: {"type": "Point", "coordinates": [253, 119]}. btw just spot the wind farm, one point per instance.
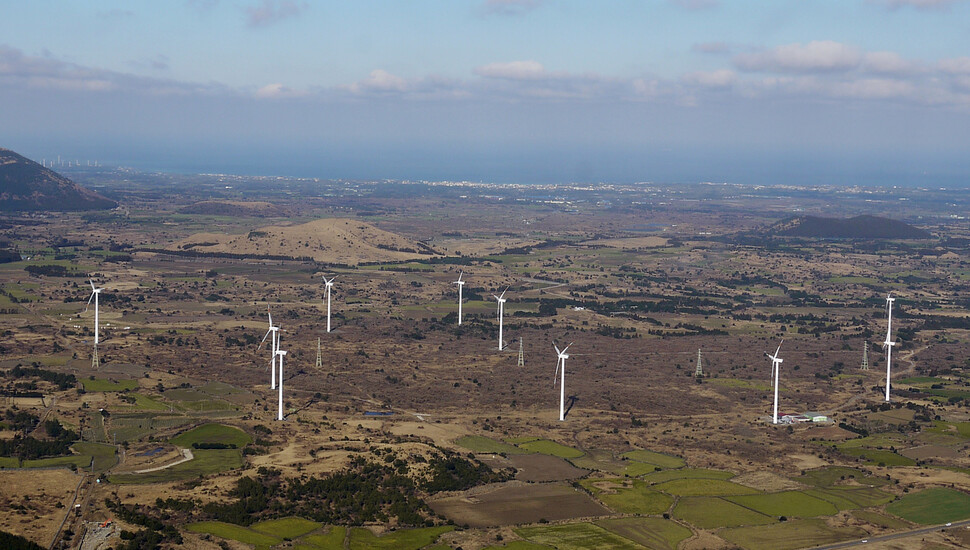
{"type": "Point", "coordinates": [393, 381]}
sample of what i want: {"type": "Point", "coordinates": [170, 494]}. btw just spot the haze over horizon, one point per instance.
{"type": "Point", "coordinates": [862, 92]}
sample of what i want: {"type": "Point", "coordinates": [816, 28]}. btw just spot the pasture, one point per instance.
{"type": "Point", "coordinates": [548, 447]}
{"type": "Point", "coordinates": [629, 496]}
{"type": "Point", "coordinates": [576, 536]}
{"type": "Point", "coordinates": [518, 504]}
{"type": "Point", "coordinates": [654, 533]}
{"type": "Point", "coordinates": [931, 506]}
{"type": "Point", "coordinates": [482, 444]}
{"type": "Point", "coordinates": [703, 487]}
{"type": "Point", "coordinates": [786, 503]}
{"type": "Point", "coordinates": [107, 385]}
{"type": "Point", "coordinates": [789, 535]}
{"type": "Point", "coordinates": [404, 539]}
{"type": "Point", "coordinates": [212, 434]}
{"type": "Point", "coordinates": [714, 512]}
{"type": "Point", "coordinates": [655, 459]}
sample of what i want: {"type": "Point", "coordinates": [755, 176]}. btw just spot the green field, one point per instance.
{"type": "Point", "coordinates": [547, 447]}
{"type": "Point", "coordinates": [481, 444]}
{"type": "Point", "coordinates": [656, 459]}
{"type": "Point", "coordinates": [848, 498]}
{"type": "Point", "coordinates": [286, 528]}
{"type": "Point", "coordinates": [103, 384]}
{"type": "Point", "coordinates": [576, 536]}
{"type": "Point", "coordinates": [333, 539]}
{"type": "Point", "coordinates": [212, 433]}
{"type": "Point", "coordinates": [654, 533]}
{"type": "Point", "coordinates": [636, 498]}
{"type": "Point", "coordinates": [937, 505]}
{"type": "Point", "coordinates": [714, 512]}
{"type": "Point", "coordinates": [146, 403]}
{"type": "Point", "coordinates": [786, 503]}
{"type": "Point", "coordinates": [879, 457]}
{"type": "Point", "coordinates": [405, 539]}
{"type": "Point", "coordinates": [234, 532]}
{"type": "Point", "coordinates": [601, 460]}
{"type": "Point", "coordinates": [703, 487]}
{"type": "Point", "coordinates": [834, 475]}
{"type": "Point", "coordinates": [686, 473]}
{"type": "Point", "coordinates": [514, 545]}
{"type": "Point", "coordinates": [105, 456]}
{"type": "Point", "coordinates": [882, 520]}
{"type": "Point", "coordinates": [788, 535]}
{"type": "Point", "coordinates": [206, 461]}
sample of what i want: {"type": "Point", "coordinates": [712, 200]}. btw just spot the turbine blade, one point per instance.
{"type": "Point", "coordinates": [555, 375]}
{"type": "Point", "coordinates": [460, 273]}
{"type": "Point", "coordinates": [263, 340]}
{"type": "Point", "coordinates": [567, 347]}
{"type": "Point", "coordinates": [92, 284]}
{"type": "Point", "coordinates": [91, 298]}
{"type": "Point", "coordinates": [270, 315]}
{"type": "Point", "coordinates": [503, 292]}
{"type": "Point", "coordinates": [558, 352]}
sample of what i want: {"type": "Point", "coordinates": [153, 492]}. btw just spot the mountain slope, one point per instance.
{"type": "Point", "coordinates": [332, 240]}
{"type": "Point", "coordinates": [26, 185]}
{"type": "Point", "coordinates": [859, 227]}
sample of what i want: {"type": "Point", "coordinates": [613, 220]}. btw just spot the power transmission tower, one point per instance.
{"type": "Point", "coordinates": [521, 354]}
{"type": "Point", "coordinates": [699, 371]}
{"type": "Point", "coordinates": [95, 362]}
{"type": "Point", "coordinates": [865, 355]}
{"type": "Point", "coordinates": [319, 357]}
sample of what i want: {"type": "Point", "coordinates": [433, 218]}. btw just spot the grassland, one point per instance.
{"type": "Point", "coordinates": [482, 444]}
{"type": "Point", "coordinates": [931, 506]}
{"type": "Point", "coordinates": [686, 473]}
{"type": "Point", "coordinates": [654, 533]}
{"type": "Point", "coordinates": [212, 433]}
{"type": "Point", "coordinates": [714, 512]}
{"type": "Point", "coordinates": [576, 535]}
{"type": "Point", "coordinates": [882, 520]}
{"type": "Point", "coordinates": [547, 447]}
{"type": "Point", "coordinates": [833, 475]}
{"type": "Point", "coordinates": [235, 532]}
{"type": "Point", "coordinates": [405, 539]}
{"type": "Point", "coordinates": [786, 503]}
{"type": "Point", "coordinates": [333, 539]}
{"type": "Point", "coordinates": [879, 457]}
{"type": "Point", "coordinates": [703, 487]}
{"type": "Point", "coordinates": [789, 535]}
{"type": "Point", "coordinates": [629, 496]}
{"type": "Point", "coordinates": [205, 462]}
{"type": "Point", "coordinates": [103, 384]}
{"type": "Point", "coordinates": [655, 459]}
{"type": "Point", "coordinates": [286, 528]}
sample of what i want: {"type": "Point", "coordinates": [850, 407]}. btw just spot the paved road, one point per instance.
{"type": "Point", "coordinates": [894, 536]}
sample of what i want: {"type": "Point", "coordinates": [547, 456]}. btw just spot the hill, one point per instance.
{"type": "Point", "coordinates": [859, 227]}
{"type": "Point", "coordinates": [331, 240]}
{"type": "Point", "coordinates": [26, 185]}
{"type": "Point", "coordinates": [239, 209]}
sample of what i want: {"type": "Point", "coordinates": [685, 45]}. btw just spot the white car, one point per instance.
{"type": "Point", "coordinates": [949, 524]}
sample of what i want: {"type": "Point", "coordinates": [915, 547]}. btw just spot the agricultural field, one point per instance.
{"type": "Point", "coordinates": [408, 430]}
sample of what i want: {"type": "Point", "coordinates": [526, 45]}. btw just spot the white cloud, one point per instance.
{"type": "Point", "coordinates": [957, 65]}
{"type": "Point", "coordinates": [268, 12]}
{"type": "Point", "coordinates": [513, 70]}
{"type": "Point", "coordinates": [380, 81]}
{"type": "Point", "coordinates": [887, 62]}
{"type": "Point", "coordinates": [816, 56]}
{"type": "Point", "coordinates": [722, 78]}
{"type": "Point", "coordinates": [276, 91]}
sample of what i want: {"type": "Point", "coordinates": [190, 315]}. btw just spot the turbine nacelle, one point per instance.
{"type": "Point", "coordinates": [459, 282]}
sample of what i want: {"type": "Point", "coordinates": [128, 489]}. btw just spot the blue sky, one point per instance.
{"type": "Point", "coordinates": [846, 91]}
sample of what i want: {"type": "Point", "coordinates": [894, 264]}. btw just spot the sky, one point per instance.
{"type": "Point", "coordinates": [816, 92]}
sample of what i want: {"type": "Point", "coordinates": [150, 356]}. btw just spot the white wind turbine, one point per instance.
{"type": "Point", "coordinates": [561, 360]}
{"type": "Point", "coordinates": [775, 367]}
{"type": "Point", "coordinates": [95, 293]}
{"type": "Point", "coordinates": [282, 354]}
{"type": "Point", "coordinates": [888, 344]}
{"type": "Point", "coordinates": [460, 284]}
{"type": "Point", "coordinates": [501, 313]}
{"type": "Point", "coordinates": [329, 287]}
{"type": "Point", "coordinates": [275, 343]}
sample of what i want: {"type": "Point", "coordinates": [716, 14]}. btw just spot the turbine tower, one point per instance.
{"type": "Point", "coordinates": [275, 343]}
{"type": "Point", "coordinates": [500, 299]}
{"type": "Point", "coordinates": [561, 360]}
{"type": "Point", "coordinates": [888, 344]}
{"type": "Point", "coordinates": [282, 354]}
{"type": "Point", "coordinates": [775, 364]}
{"type": "Point", "coordinates": [329, 287]}
{"type": "Point", "coordinates": [460, 284]}
{"type": "Point", "coordinates": [95, 293]}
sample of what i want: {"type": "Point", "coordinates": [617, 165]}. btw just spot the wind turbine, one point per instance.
{"type": "Point", "coordinates": [775, 364]}
{"type": "Point", "coordinates": [275, 343]}
{"type": "Point", "coordinates": [95, 293]}
{"type": "Point", "coordinates": [282, 354]}
{"type": "Point", "coordinates": [888, 344]}
{"type": "Point", "coordinates": [329, 287]}
{"type": "Point", "coordinates": [501, 313]}
{"type": "Point", "coordinates": [562, 381]}
{"type": "Point", "coordinates": [460, 284]}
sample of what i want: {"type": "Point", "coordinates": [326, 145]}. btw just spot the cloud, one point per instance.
{"type": "Point", "coordinates": [513, 70]}
{"type": "Point", "coordinates": [278, 91]}
{"type": "Point", "coordinates": [816, 56]}
{"type": "Point", "coordinates": [269, 12]}
{"type": "Point", "coordinates": [510, 7]}
{"type": "Point", "coordinates": [380, 81]}
{"type": "Point", "coordinates": [888, 63]}
{"type": "Point", "coordinates": [722, 78]}
{"type": "Point", "coordinates": [958, 65]}
{"type": "Point", "coordinates": [915, 4]}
